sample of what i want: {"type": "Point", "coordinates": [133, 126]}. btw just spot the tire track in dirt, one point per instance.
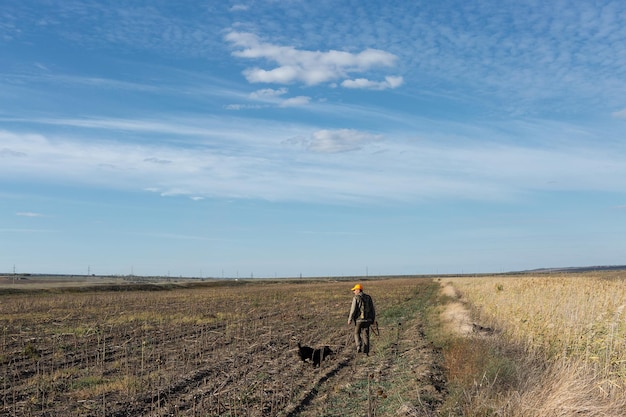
{"type": "Point", "coordinates": [312, 392]}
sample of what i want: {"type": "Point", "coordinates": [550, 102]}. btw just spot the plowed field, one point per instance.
{"type": "Point", "coordinates": [214, 349]}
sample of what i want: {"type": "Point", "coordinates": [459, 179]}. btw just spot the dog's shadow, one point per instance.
{"type": "Point", "coordinates": [315, 356]}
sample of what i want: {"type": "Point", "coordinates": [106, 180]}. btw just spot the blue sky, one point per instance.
{"type": "Point", "coordinates": [324, 138]}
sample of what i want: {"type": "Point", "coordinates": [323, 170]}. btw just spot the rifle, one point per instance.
{"type": "Point", "coordinates": [374, 328]}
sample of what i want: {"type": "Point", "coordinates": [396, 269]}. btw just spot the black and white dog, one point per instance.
{"type": "Point", "coordinates": [315, 356]}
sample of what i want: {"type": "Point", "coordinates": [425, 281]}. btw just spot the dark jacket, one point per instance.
{"type": "Point", "coordinates": [362, 308]}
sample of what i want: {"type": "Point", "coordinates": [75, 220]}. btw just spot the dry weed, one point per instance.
{"type": "Point", "coordinates": [572, 327]}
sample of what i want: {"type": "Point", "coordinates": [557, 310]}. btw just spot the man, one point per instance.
{"type": "Point", "coordinates": [363, 314]}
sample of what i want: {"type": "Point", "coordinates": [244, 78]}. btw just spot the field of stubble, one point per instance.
{"type": "Point", "coordinates": [213, 349]}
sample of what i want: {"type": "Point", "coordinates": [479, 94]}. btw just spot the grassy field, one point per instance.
{"type": "Point", "coordinates": [504, 345]}
{"type": "Point", "coordinates": [551, 344]}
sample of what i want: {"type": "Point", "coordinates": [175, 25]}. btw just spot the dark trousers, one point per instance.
{"type": "Point", "coordinates": [362, 336]}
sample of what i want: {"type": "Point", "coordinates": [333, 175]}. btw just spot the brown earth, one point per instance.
{"type": "Point", "coordinates": [404, 378]}
{"type": "Point", "coordinates": [215, 351]}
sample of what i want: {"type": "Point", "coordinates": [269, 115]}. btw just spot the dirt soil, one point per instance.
{"type": "Point", "coordinates": [228, 351]}
{"type": "Point", "coordinates": [405, 378]}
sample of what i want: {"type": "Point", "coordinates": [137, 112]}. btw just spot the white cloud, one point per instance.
{"type": "Point", "coordinates": [239, 8]}
{"type": "Point", "coordinates": [342, 140]}
{"type": "Point", "coordinates": [295, 101]}
{"type": "Point", "coordinates": [155, 126]}
{"type": "Point", "coordinates": [235, 159]}
{"type": "Point", "coordinates": [271, 97]}
{"type": "Point", "coordinates": [268, 93]}
{"type": "Point", "coordinates": [390, 82]}
{"type": "Point", "coordinates": [309, 67]}
{"type": "Point", "coordinates": [237, 107]}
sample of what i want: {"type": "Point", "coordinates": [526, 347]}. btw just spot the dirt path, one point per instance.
{"type": "Point", "coordinates": [456, 315]}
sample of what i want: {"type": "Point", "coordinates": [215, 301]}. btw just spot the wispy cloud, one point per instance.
{"type": "Point", "coordinates": [6, 152]}
{"type": "Point", "coordinates": [180, 128]}
{"type": "Point", "coordinates": [332, 164]}
{"type": "Point", "coordinates": [621, 114]}
{"type": "Point", "coordinates": [175, 236]}
{"type": "Point", "coordinates": [268, 93]}
{"type": "Point", "coordinates": [276, 97]}
{"type": "Point", "coordinates": [296, 101]}
{"type": "Point", "coordinates": [243, 106]}
{"type": "Point", "coordinates": [308, 67]}
{"type": "Point", "coordinates": [28, 214]}
{"type": "Point", "coordinates": [239, 8]}
{"type": "Point", "coordinates": [175, 84]}
{"type": "Point", "coordinates": [554, 54]}
{"type": "Point", "coordinates": [389, 82]}
{"type": "Point", "coordinates": [15, 230]}
{"type": "Point", "coordinates": [158, 161]}
{"type": "Point", "coordinates": [342, 140]}
{"type": "Point", "coordinates": [124, 26]}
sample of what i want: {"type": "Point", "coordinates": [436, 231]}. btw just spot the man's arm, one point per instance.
{"type": "Point", "coordinates": [352, 310]}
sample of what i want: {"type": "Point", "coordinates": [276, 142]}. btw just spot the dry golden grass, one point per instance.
{"type": "Point", "coordinates": [571, 327]}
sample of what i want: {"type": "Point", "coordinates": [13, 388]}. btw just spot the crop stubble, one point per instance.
{"type": "Point", "coordinates": [206, 350]}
